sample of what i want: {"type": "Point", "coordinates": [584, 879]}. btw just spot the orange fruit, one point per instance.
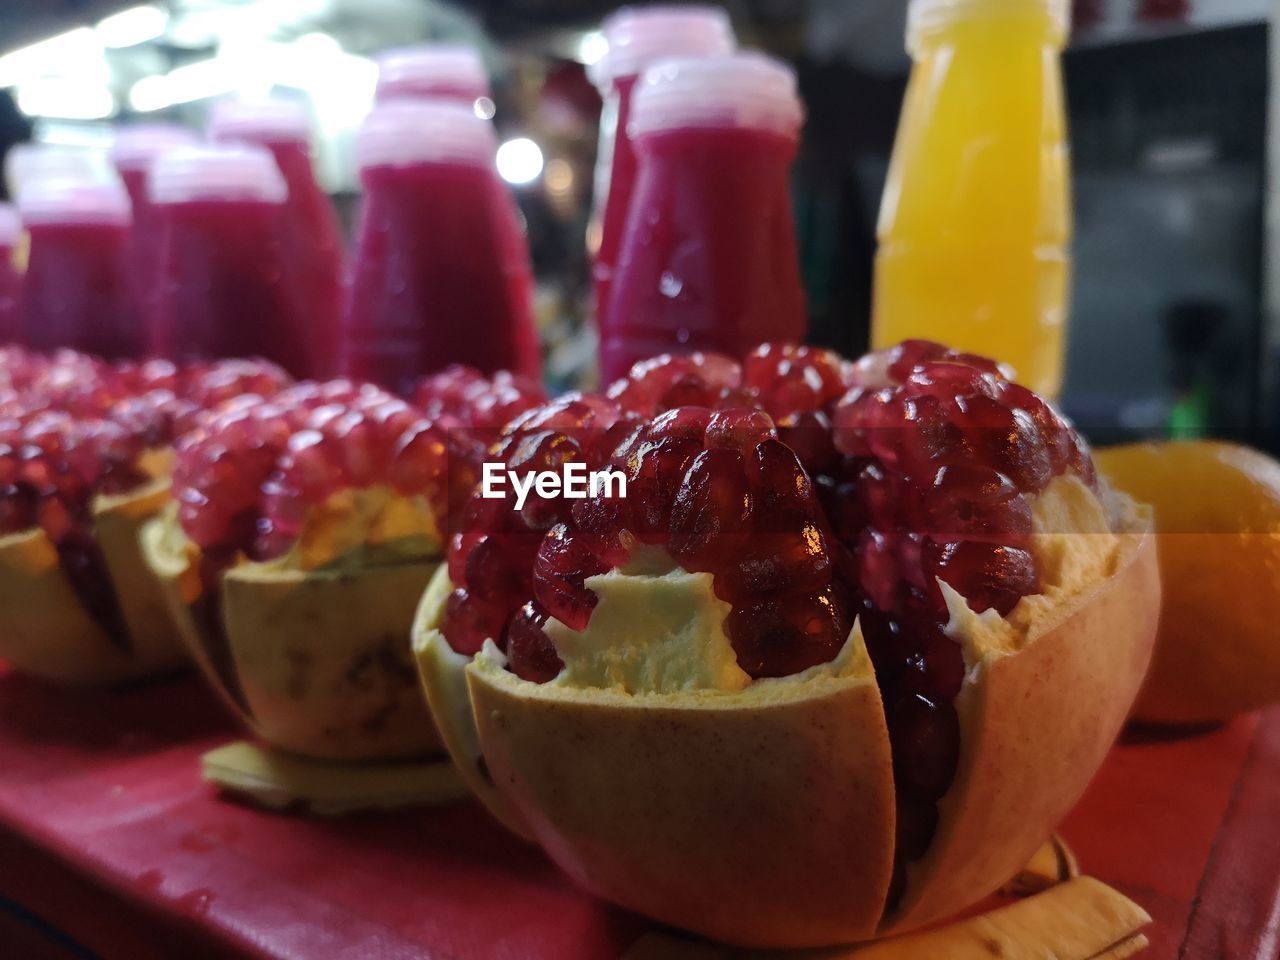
{"type": "Point", "coordinates": [1218, 530]}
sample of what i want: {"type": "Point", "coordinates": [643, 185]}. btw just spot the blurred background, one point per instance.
{"type": "Point", "coordinates": [1172, 328]}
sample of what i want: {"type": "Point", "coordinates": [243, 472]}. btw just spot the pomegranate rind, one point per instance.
{"type": "Point", "coordinates": [762, 817]}
{"type": "Point", "coordinates": [443, 674]}
{"type": "Point", "coordinates": [118, 521]}
{"type": "Point", "coordinates": [1035, 726]}
{"type": "Point", "coordinates": [319, 659]}
{"type": "Point", "coordinates": [48, 634]}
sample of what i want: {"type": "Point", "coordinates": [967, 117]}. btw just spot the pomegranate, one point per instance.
{"type": "Point", "coordinates": [83, 465]}
{"type": "Point", "coordinates": [917, 505]}
{"type": "Point", "coordinates": [306, 525]}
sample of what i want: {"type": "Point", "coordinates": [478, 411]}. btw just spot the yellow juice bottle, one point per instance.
{"type": "Point", "coordinates": [975, 224]}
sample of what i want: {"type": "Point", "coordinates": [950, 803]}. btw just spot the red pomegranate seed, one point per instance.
{"type": "Point", "coordinates": [468, 622]}
{"type": "Point", "coordinates": [530, 652]}
{"type": "Point", "coordinates": [562, 565]}
{"type": "Point", "coordinates": [710, 517]}
{"type": "Point", "coordinates": [779, 635]}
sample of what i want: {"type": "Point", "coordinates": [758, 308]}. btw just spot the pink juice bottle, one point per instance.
{"type": "Point", "coordinates": [10, 278]}
{"type": "Point", "coordinates": [133, 152]}
{"type": "Point", "coordinates": [77, 291]}
{"type": "Point", "coordinates": [434, 71]}
{"type": "Point", "coordinates": [313, 243]}
{"type": "Point", "coordinates": [225, 290]}
{"type": "Point", "coordinates": [441, 272]}
{"type": "Point", "coordinates": [637, 38]}
{"type": "Point", "coordinates": [708, 257]}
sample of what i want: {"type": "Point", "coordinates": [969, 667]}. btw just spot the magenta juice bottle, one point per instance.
{"type": "Point", "coordinates": [707, 260]}
{"type": "Point", "coordinates": [135, 149]}
{"type": "Point", "coordinates": [441, 272]}
{"type": "Point", "coordinates": [432, 71]}
{"type": "Point", "coordinates": [313, 245]}
{"type": "Point", "coordinates": [77, 291]}
{"type": "Point", "coordinates": [637, 39]}
{"type": "Point", "coordinates": [225, 291]}
{"type": "Point", "coordinates": [10, 278]}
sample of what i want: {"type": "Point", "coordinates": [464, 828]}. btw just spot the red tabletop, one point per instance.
{"type": "Point", "coordinates": [111, 846]}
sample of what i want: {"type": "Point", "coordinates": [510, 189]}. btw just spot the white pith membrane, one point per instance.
{"type": "Point", "coordinates": [655, 646]}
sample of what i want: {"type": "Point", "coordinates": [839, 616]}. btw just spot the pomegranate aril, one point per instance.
{"type": "Point", "coordinates": [709, 520]}
{"type": "Point", "coordinates": [988, 575]}
{"type": "Point", "coordinates": [739, 428]}
{"type": "Point", "coordinates": [925, 740]}
{"type": "Point", "coordinates": [469, 621]}
{"type": "Point", "coordinates": [530, 653]}
{"type": "Point", "coordinates": [655, 472]}
{"type": "Point", "coordinates": [812, 438]}
{"type": "Point", "coordinates": [18, 508]}
{"type": "Point", "coordinates": [681, 423]}
{"type": "Point", "coordinates": [562, 565]}
{"type": "Point", "coordinates": [917, 821]}
{"type": "Point", "coordinates": [792, 379]}
{"type": "Point", "coordinates": [968, 501]}
{"type": "Point", "coordinates": [906, 356]}
{"type": "Point", "coordinates": [946, 379]}
{"type": "Point", "coordinates": [779, 635]}
{"type": "Point", "coordinates": [600, 523]}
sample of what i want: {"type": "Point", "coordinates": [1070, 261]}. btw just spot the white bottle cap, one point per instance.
{"type": "Point", "coordinates": [402, 133]}
{"type": "Point", "coordinates": [926, 16]}
{"type": "Point", "coordinates": [10, 225]}
{"type": "Point", "coordinates": [137, 145]}
{"type": "Point", "coordinates": [217, 172]}
{"type": "Point", "coordinates": [432, 70]}
{"type": "Point", "coordinates": [259, 121]}
{"type": "Point", "coordinates": [26, 162]}
{"type": "Point", "coordinates": [640, 36]}
{"type": "Point", "coordinates": [49, 198]}
{"type": "Point", "coordinates": [746, 90]}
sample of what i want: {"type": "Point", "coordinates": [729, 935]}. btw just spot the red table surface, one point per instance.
{"type": "Point", "coordinates": [111, 846]}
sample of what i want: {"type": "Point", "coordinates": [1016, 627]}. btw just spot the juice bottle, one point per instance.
{"type": "Point", "coordinates": [434, 71]}
{"type": "Point", "coordinates": [441, 272]}
{"type": "Point", "coordinates": [133, 152]}
{"type": "Point", "coordinates": [637, 38]}
{"type": "Point", "coordinates": [224, 288]}
{"type": "Point", "coordinates": [708, 257]}
{"type": "Point", "coordinates": [313, 245]}
{"type": "Point", "coordinates": [77, 292]}
{"type": "Point", "coordinates": [26, 162]}
{"type": "Point", "coordinates": [975, 224]}
{"type": "Point", "coordinates": [10, 278]}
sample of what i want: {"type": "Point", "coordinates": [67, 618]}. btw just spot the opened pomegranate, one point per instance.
{"type": "Point", "coordinates": [918, 493]}
{"type": "Point", "coordinates": [307, 525]}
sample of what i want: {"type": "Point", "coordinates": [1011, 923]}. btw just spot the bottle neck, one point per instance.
{"type": "Point", "coordinates": [935, 23]}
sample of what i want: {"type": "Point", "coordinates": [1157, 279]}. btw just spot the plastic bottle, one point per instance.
{"type": "Point", "coordinates": [708, 256]}
{"type": "Point", "coordinates": [10, 277]}
{"type": "Point", "coordinates": [77, 291]}
{"type": "Point", "coordinates": [433, 71]}
{"type": "Point", "coordinates": [313, 241]}
{"type": "Point", "coordinates": [441, 272]}
{"type": "Point", "coordinates": [975, 225]}
{"type": "Point", "coordinates": [133, 152]}
{"type": "Point", "coordinates": [225, 291]}
{"type": "Point", "coordinates": [637, 38]}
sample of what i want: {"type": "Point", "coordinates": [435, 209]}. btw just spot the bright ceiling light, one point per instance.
{"type": "Point", "coordinates": [66, 99]}
{"type": "Point", "coordinates": [133, 26]}
{"type": "Point", "coordinates": [519, 161]}
{"type": "Point", "coordinates": [591, 47]}
{"type": "Point", "coordinates": [69, 53]}
{"type": "Point", "coordinates": [192, 81]}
